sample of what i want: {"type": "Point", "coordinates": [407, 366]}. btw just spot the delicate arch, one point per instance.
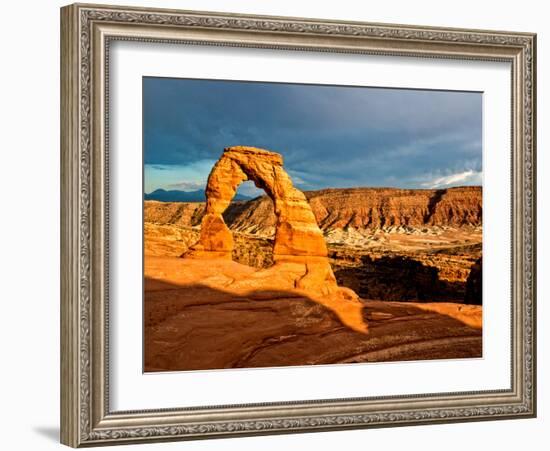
{"type": "Point", "coordinates": [296, 234]}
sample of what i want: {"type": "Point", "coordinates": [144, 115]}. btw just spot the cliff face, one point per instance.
{"type": "Point", "coordinates": [370, 209]}
{"type": "Point", "coordinates": [255, 216]}
{"type": "Point", "coordinates": [456, 207]}
{"type": "Point", "coordinates": [382, 208]}
{"type": "Point", "coordinates": [359, 208]}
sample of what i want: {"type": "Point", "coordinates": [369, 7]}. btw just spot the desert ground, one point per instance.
{"type": "Point", "coordinates": [412, 257]}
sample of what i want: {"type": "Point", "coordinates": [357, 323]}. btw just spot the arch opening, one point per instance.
{"type": "Point", "coordinates": [296, 232]}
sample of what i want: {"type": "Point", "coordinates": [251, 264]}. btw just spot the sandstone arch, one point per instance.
{"type": "Point", "coordinates": [298, 238]}
{"type": "Point", "coordinates": [297, 232]}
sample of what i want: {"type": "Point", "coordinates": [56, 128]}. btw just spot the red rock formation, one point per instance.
{"type": "Point", "coordinates": [297, 233]}
{"type": "Point", "coordinates": [456, 207]}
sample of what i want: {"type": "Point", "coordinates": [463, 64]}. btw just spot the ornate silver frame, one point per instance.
{"type": "Point", "coordinates": [86, 31]}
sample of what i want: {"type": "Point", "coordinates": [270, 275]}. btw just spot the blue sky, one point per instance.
{"type": "Point", "coordinates": [329, 136]}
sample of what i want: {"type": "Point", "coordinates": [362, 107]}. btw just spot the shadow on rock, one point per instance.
{"type": "Point", "coordinates": [399, 278]}
{"type": "Point", "coordinates": [474, 284]}
{"type": "Point", "coordinates": [197, 327]}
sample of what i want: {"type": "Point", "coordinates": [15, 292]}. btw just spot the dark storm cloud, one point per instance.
{"type": "Point", "coordinates": [329, 136]}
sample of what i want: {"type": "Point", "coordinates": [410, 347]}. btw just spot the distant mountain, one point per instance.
{"type": "Point", "coordinates": [163, 195]}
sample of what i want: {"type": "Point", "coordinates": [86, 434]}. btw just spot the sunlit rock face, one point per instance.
{"type": "Point", "coordinates": [296, 233]}
{"type": "Point", "coordinates": [299, 248]}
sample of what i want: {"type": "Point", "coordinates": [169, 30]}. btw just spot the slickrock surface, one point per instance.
{"type": "Point", "coordinates": [196, 318]}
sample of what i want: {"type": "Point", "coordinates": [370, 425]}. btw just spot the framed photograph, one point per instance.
{"type": "Point", "coordinates": [279, 225]}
